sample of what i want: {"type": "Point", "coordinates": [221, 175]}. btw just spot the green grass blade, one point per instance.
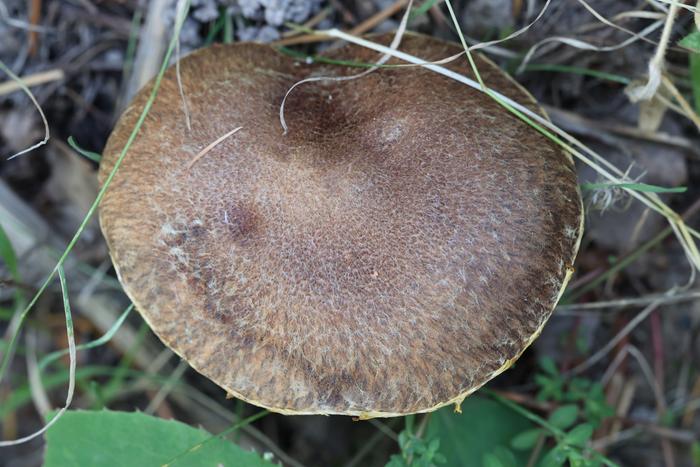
{"type": "Point", "coordinates": [53, 356]}
{"type": "Point", "coordinates": [692, 43]}
{"type": "Point", "coordinates": [93, 156]}
{"type": "Point", "coordinates": [644, 187]}
{"type": "Point", "coordinates": [422, 9]}
{"type": "Point", "coordinates": [578, 71]}
{"type": "Point", "coordinates": [7, 254]}
{"type": "Point", "coordinates": [101, 193]}
{"type": "Point", "coordinates": [695, 79]}
{"type": "Point", "coordinates": [114, 385]}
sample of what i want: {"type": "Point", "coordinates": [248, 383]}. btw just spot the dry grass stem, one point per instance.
{"type": "Point", "coordinates": [23, 87]}
{"type": "Point", "coordinates": [204, 151]}
{"type": "Point", "coordinates": [167, 388]}
{"type": "Point", "coordinates": [361, 28]}
{"type": "Point", "coordinates": [383, 59]}
{"type": "Point", "coordinates": [32, 80]}
{"type": "Point", "coordinates": [185, 108]}
{"type": "Point", "coordinates": [646, 92]}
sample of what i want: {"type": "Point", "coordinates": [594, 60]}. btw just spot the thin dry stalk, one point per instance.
{"type": "Point", "coordinates": [36, 388]}
{"type": "Point", "coordinates": [656, 64]}
{"type": "Point", "coordinates": [185, 108]}
{"type": "Point", "coordinates": [211, 146]}
{"type": "Point", "coordinates": [383, 59]}
{"type": "Point", "coordinates": [165, 390]}
{"type": "Point", "coordinates": [367, 25]}
{"type": "Point", "coordinates": [32, 80]}
{"type": "Point", "coordinates": [23, 86]}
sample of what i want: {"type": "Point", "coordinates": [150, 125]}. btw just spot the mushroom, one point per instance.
{"type": "Point", "coordinates": [398, 248]}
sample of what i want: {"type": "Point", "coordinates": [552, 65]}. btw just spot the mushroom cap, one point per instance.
{"type": "Point", "coordinates": [399, 247]}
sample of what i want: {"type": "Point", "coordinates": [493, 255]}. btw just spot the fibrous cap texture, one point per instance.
{"type": "Point", "coordinates": [400, 246]}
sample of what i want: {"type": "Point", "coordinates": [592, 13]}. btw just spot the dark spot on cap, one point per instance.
{"type": "Point", "coordinates": [241, 222]}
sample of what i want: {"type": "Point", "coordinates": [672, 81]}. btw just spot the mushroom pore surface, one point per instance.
{"type": "Point", "coordinates": [398, 248]}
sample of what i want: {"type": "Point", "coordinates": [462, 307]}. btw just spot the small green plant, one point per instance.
{"type": "Point", "coordinates": [569, 428]}
{"type": "Point", "coordinates": [416, 451]}
{"type": "Point", "coordinates": [554, 387]}
{"type": "Point", "coordinates": [569, 445]}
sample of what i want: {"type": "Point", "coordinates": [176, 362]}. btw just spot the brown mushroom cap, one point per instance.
{"type": "Point", "coordinates": [399, 247]}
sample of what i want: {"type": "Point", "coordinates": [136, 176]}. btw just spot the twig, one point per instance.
{"type": "Point", "coordinates": [537, 450]}
{"type": "Point", "coordinates": [602, 443]}
{"type": "Point", "coordinates": [623, 405]}
{"type": "Point", "coordinates": [361, 28]}
{"type": "Point", "coordinates": [374, 20]}
{"type": "Point", "coordinates": [366, 448]}
{"type": "Point", "coordinates": [688, 413]}
{"type": "Point", "coordinates": [24, 88]}
{"type": "Point", "coordinates": [597, 128]}
{"type": "Point", "coordinates": [687, 109]}
{"type": "Point", "coordinates": [15, 23]}
{"type": "Point", "coordinates": [317, 18]}
{"type": "Point", "coordinates": [347, 15]}
{"type": "Point", "coordinates": [621, 303]}
{"type": "Point", "coordinates": [630, 257]}
{"type": "Point", "coordinates": [658, 396]}
{"type": "Point", "coordinates": [384, 429]}
{"type": "Point", "coordinates": [151, 48]}
{"type": "Point", "coordinates": [185, 108]}
{"type": "Point", "coordinates": [167, 387]}
{"type": "Point", "coordinates": [596, 357]}
{"type": "Point", "coordinates": [34, 19]}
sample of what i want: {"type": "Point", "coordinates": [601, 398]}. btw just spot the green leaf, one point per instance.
{"type": "Point", "coordinates": [500, 457]}
{"type": "Point", "coordinates": [491, 460]}
{"type": "Point", "coordinates": [526, 440]}
{"type": "Point", "coordinates": [695, 454]}
{"type": "Point", "coordinates": [554, 458]}
{"type": "Point", "coordinates": [93, 156]}
{"type": "Point", "coordinates": [595, 405]}
{"type": "Point", "coordinates": [116, 439]}
{"type": "Point", "coordinates": [579, 436]}
{"type": "Point", "coordinates": [695, 79]}
{"type": "Point", "coordinates": [564, 416]}
{"type": "Point", "coordinates": [576, 459]}
{"type": "Point", "coordinates": [578, 71]}
{"type": "Point", "coordinates": [691, 41]}
{"type": "Point", "coordinates": [482, 426]}
{"type": "Point", "coordinates": [506, 456]}
{"type": "Point", "coordinates": [549, 366]}
{"type": "Point", "coordinates": [395, 461]}
{"type": "Point", "coordinates": [7, 254]}
{"type": "Point", "coordinates": [550, 388]}
{"type": "Point", "coordinates": [422, 9]}
{"type": "Point", "coordinates": [434, 446]}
